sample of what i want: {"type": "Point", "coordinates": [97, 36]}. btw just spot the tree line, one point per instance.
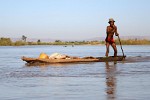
{"type": "Point", "coordinates": [9, 42]}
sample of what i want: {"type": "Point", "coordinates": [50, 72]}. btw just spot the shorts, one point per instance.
{"type": "Point", "coordinates": [110, 40]}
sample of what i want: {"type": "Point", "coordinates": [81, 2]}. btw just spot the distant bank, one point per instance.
{"type": "Point", "coordinates": [22, 42]}
{"type": "Point", "coordinates": [86, 39]}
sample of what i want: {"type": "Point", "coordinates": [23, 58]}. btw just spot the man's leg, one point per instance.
{"type": "Point", "coordinates": [107, 49]}
{"type": "Point", "coordinates": [115, 49]}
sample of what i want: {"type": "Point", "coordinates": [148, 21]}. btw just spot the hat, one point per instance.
{"type": "Point", "coordinates": [111, 20]}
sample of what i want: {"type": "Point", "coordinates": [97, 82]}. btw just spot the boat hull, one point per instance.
{"type": "Point", "coordinates": [85, 59]}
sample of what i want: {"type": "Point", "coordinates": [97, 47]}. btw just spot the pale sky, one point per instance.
{"type": "Point", "coordinates": [72, 19]}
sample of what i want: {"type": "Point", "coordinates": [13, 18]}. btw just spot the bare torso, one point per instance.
{"type": "Point", "coordinates": [111, 30]}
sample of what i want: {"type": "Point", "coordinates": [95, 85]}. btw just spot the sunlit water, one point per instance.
{"type": "Point", "coordinates": [127, 80]}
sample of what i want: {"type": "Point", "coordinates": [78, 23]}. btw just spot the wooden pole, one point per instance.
{"type": "Point", "coordinates": [121, 46]}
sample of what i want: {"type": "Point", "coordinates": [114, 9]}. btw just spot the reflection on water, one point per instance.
{"type": "Point", "coordinates": [110, 81]}
{"type": "Point", "coordinates": [55, 64]}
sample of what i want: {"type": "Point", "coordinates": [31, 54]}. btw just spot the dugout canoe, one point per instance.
{"type": "Point", "coordinates": [84, 59]}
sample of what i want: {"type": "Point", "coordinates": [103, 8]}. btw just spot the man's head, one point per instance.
{"type": "Point", "coordinates": [111, 21]}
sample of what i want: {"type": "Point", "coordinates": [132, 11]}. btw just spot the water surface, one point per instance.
{"type": "Point", "coordinates": [127, 80]}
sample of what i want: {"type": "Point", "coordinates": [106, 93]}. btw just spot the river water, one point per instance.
{"type": "Point", "coordinates": [124, 80]}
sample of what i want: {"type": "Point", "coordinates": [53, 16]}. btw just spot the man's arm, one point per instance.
{"type": "Point", "coordinates": [107, 30]}
{"type": "Point", "coordinates": [115, 30]}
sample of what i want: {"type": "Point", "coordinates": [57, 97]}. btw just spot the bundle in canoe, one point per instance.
{"type": "Point", "coordinates": [75, 60]}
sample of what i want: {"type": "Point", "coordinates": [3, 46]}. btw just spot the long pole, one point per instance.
{"type": "Point", "coordinates": [121, 46]}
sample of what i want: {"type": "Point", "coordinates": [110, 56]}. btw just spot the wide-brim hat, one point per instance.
{"type": "Point", "coordinates": [111, 20]}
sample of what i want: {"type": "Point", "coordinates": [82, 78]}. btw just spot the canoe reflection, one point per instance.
{"type": "Point", "coordinates": [56, 64]}
{"type": "Point", "coordinates": [110, 81]}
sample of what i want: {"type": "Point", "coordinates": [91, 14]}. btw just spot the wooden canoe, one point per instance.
{"type": "Point", "coordinates": [84, 59]}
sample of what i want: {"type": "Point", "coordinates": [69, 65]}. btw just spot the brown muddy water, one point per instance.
{"type": "Point", "coordinates": [125, 80]}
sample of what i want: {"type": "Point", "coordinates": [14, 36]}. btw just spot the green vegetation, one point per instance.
{"type": "Point", "coordinates": [19, 43]}
{"type": "Point", "coordinates": [5, 42]}
{"type": "Point", "coordinates": [8, 42]}
{"type": "Point", "coordinates": [24, 38]}
{"type": "Point", "coordinates": [134, 42]}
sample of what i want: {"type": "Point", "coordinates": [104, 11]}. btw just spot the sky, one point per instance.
{"type": "Point", "coordinates": [73, 19]}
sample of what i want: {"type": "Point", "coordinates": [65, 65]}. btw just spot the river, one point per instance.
{"type": "Point", "coordinates": [124, 80]}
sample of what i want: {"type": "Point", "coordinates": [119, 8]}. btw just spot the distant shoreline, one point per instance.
{"type": "Point", "coordinates": [8, 42]}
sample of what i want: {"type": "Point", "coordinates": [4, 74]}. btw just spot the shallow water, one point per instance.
{"type": "Point", "coordinates": [125, 80]}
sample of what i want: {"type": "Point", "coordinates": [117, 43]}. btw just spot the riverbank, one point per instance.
{"type": "Point", "coordinates": [9, 42]}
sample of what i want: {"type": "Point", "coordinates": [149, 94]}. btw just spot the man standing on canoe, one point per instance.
{"type": "Point", "coordinates": [111, 29]}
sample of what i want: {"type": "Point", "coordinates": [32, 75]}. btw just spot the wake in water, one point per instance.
{"type": "Point", "coordinates": [138, 59]}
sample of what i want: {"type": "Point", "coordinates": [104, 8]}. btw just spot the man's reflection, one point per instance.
{"type": "Point", "coordinates": [110, 81]}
